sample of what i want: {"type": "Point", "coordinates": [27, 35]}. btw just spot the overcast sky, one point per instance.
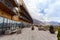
{"type": "Point", "coordinates": [43, 10]}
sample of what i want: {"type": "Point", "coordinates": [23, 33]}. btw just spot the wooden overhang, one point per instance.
{"type": "Point", "coordinates": [13, 2]}
{"type": "Point", "coordinates": [15, 18]}
{"type": "Point", "coordinates": [23, 17]}
{"type": "Point", "coordinates": [6, 9]}
{"type": "Point", "coordinates": [25, 12]}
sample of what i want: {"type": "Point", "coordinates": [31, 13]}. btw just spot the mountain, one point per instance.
{"type": "Point", "coordinates": [45, 23]}
{"type": "Point", "coordinates": [35, 21]}
{"type": "Point", "coordinates": [54, 23]}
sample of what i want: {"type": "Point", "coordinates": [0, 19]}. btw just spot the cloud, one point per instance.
{"type": "Point", "coordinates": [53, 11]}
{"type": "Point", "coordinates": [45, 10]}
{"type": "Point", "coordinates": [33, 10]}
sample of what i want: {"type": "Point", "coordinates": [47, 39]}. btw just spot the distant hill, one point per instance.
{"type": "Point", "coordinates": [46, 23]}
{"type": "Point", "coordinates": [54, 23]}
{"type": "Point", "coordinates": [35, 21]}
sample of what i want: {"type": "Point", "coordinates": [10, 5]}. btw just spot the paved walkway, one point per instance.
{"type": "Point", "coordinates": [28, 34]}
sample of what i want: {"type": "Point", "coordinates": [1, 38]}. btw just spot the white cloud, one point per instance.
{"type": "Point", "coordinates": [53, 12]}
{"type": "Point", "coordinates": [50, 7]}
{"type": "Point", "coordinates": [34, 11]}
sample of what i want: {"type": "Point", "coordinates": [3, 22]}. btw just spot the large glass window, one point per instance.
{"type": "Point", "coordinates": [1, 23]}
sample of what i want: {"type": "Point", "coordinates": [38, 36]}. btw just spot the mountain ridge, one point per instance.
{"type": "Point", "coordinates": [45, 23]}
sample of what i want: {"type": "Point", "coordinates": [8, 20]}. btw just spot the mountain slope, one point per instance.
{"type": "Point", "coordinates": [45, 23]}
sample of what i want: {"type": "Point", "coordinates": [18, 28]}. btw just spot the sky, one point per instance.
{"type": "Point", "coordinates": [44, 10]}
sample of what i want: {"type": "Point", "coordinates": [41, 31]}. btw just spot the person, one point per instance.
{"type": "Point", "coordinates": [32, 27]}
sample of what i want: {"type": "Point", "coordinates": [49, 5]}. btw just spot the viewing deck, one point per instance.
{"type": "Point", "coordinates": [28, 34]}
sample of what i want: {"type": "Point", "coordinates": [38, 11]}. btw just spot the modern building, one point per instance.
{"type": "Point", "coordinates": [13, 10]}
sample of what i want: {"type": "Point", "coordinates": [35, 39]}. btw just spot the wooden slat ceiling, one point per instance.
{"type": "Point", "coordinates": [6, 9]}
{"type": "Point", "coordinates": [13, 3]}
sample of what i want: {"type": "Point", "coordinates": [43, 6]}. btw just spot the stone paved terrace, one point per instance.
{"type": "Point", "coordinates": [28, 34]}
